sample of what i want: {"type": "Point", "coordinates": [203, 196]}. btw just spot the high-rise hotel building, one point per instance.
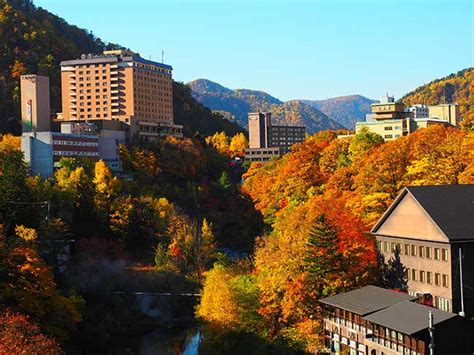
{"type": "Point", "coordinates": [121, 86]}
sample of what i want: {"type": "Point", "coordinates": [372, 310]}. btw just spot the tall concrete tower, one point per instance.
{"type": "Point", "coordinates": [259, 129]}
{"type": "Point", "coordinates": [35, 105]}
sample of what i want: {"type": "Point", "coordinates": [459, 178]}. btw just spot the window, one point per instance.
{"type": "Point", "coordinates": [388, 128]}
{"type": "Point", "coordinates": [437, 254]}
{"type": "Point", "coordinates": [437, 279]}
{"type": "Point", "coordinates": [428, 252]}
{"type": "Point", "coordinates": [392, 247]}
{"type": "Point", "coordinates": [429, 277]}
{"type": "Point", "coordinates": [388, 136]}
{"type": "Point", "coordinates": [413, 274]}
{"type": "Point", "coordinates": [407, 273]}
{"type": "Point", "coordinates": [407, 249]}
{"type": "Point", "coordinates": [422, 276]}
{"type": "Point", "coordinates": [385, 247]}
{"type": "Point", "coordinates": [413, 250]}
{"type": "Point", "coordinates": [445, 280]}
{"type": "Point", "coordinates": [444, 254]}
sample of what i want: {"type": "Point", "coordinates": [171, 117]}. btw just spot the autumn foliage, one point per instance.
{"type": "Point", "coordinates": [19, 335]}
{"type": "Point", "coordinates": [321, 201]}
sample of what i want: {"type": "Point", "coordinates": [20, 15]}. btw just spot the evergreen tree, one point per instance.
{"type": "Point", "coordinates": [324, 262]}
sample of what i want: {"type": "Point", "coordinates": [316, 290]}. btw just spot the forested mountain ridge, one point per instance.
{"type": "Point", "coordinates": [35, 41]}
{"type": "Point", "coordinates": [240, 102]}
{"type": "Point", "coordinates": [458, 87]}
{"type": "Point", "coordinates": [346, 110]}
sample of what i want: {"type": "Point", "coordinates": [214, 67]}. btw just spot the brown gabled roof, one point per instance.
{"type": "Point", "coordinates": [451, 207]}
{"type": "Point", "coordinates": [366, 300]}
{"type": "Point", "coordinates": [408, 317]}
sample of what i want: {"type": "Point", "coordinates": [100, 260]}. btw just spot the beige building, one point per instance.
{"type": "Point", "coordinates": [120, 86]}
{"type": "Point", "coordinates": [446, 112]}
{"type": "Point", "coordinates": [431, 226]}
{"type": "Point", "coordinates": [35, 104]}
{"type": "Point", "coordinates": [391, 120]}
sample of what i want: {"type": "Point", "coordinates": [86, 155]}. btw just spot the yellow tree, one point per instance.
{"type": "Point", "coordinates": [106, 185]}
{"type": "Point", "coordinates": [238, 144]}
{"type": "Point", "coordinates": [218, 306]}
{"type": "Point", "coordinates": [220, 141]}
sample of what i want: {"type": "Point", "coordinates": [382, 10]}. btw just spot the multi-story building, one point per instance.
{"type": "Point", "coordinates": [44, 146]}
{"type": "Point", "coordinates": [267, 140]}
{"type": "Point", "coordinates": [120, 86]}
{"type": "Point", "coordinates": [388, 119]}
{"type": "Point", "coordinates": [391, 120]}
{"type": "Point", "coordinates": [446, 112]}
{"type": "Point", "coordinates": [432, 226]}
{"type": "Point", "coordinates": [373, 321]}
{"type": "Point", "coordinates": [35, 105]}
{"type": "Point", "coordinates": [43, 150]}
{"type": "Point", "coordinates": [419, 111]}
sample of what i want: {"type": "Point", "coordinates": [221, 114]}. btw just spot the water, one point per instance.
{"type": "Point", "coordinates": [171, 342]}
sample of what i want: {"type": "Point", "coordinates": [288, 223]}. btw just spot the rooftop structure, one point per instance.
{"type": "Point", "coordinates": [366, 300]}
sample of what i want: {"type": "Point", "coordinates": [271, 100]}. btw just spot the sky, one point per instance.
{"type": "Point", "coordinates": [297, 49]}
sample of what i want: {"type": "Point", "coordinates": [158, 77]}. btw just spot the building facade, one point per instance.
{"type": "Point", "coordinates": [267, 141]}
{"type": "Point", "coordinates": [446, 112]}
{"type": "Point", "coordinates": [120, 86]}
{"type": "Point", "coordinates": [376, 321]}
{"type": "Point", "coordinates": [391, 120]}
{"type": "Point", "coordinates": [431, 226]}
{"type": "Point", "coordinates": [419, 111]}
{"type": "Point", "coordinates": [43, 150]}
{"type": "Point", "coordinates": [35, 104]}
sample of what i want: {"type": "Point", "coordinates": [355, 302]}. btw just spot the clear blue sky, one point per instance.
{"type": "Point", "coordinates": [291, 49]}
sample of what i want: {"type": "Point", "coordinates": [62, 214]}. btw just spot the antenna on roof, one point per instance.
{"type": "Point", "coordinates": [162, 57]}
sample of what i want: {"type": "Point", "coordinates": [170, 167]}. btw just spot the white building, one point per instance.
{"type": "Point", "coordinates": [419, 111]}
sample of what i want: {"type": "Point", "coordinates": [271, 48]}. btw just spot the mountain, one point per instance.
{"type": "Point", "coordinates": [346, 110]}
{"type": "Point", "coordinates": [238, 103]}
{"type": "Point", "coordinates": [33, 40]}
{"type": "Point", "coordinates": [458, 87]}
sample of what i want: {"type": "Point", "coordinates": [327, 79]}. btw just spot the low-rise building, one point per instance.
{"type": "Point", "coordinates": [432, 226]}
{"type": "Point", "coordinates": [372, 321]}
{"type": "Point", "coordinates": [43, 150]}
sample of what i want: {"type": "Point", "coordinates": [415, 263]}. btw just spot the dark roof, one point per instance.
{"type": "Point", "coordinates": [366, 300]}
{"type": "Point", "coordinates": [408, 317]}
{"type": "Point", "coordinates": [451, 207]}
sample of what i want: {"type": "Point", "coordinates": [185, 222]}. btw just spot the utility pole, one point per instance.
{"type": "Point", "coordinates": [431, 329]}
{"type": "Point", "coordinates": [460, 279]}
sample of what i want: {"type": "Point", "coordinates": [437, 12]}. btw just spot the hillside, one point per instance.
{"type": "Point", "coordinates": [346, 110]}
{"type": "Point", "coordinates": [242, 101]}
{"type": "Point", "coordinates": [457, 87]}
{"type": "Point", "coordinates": [34, 40]}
